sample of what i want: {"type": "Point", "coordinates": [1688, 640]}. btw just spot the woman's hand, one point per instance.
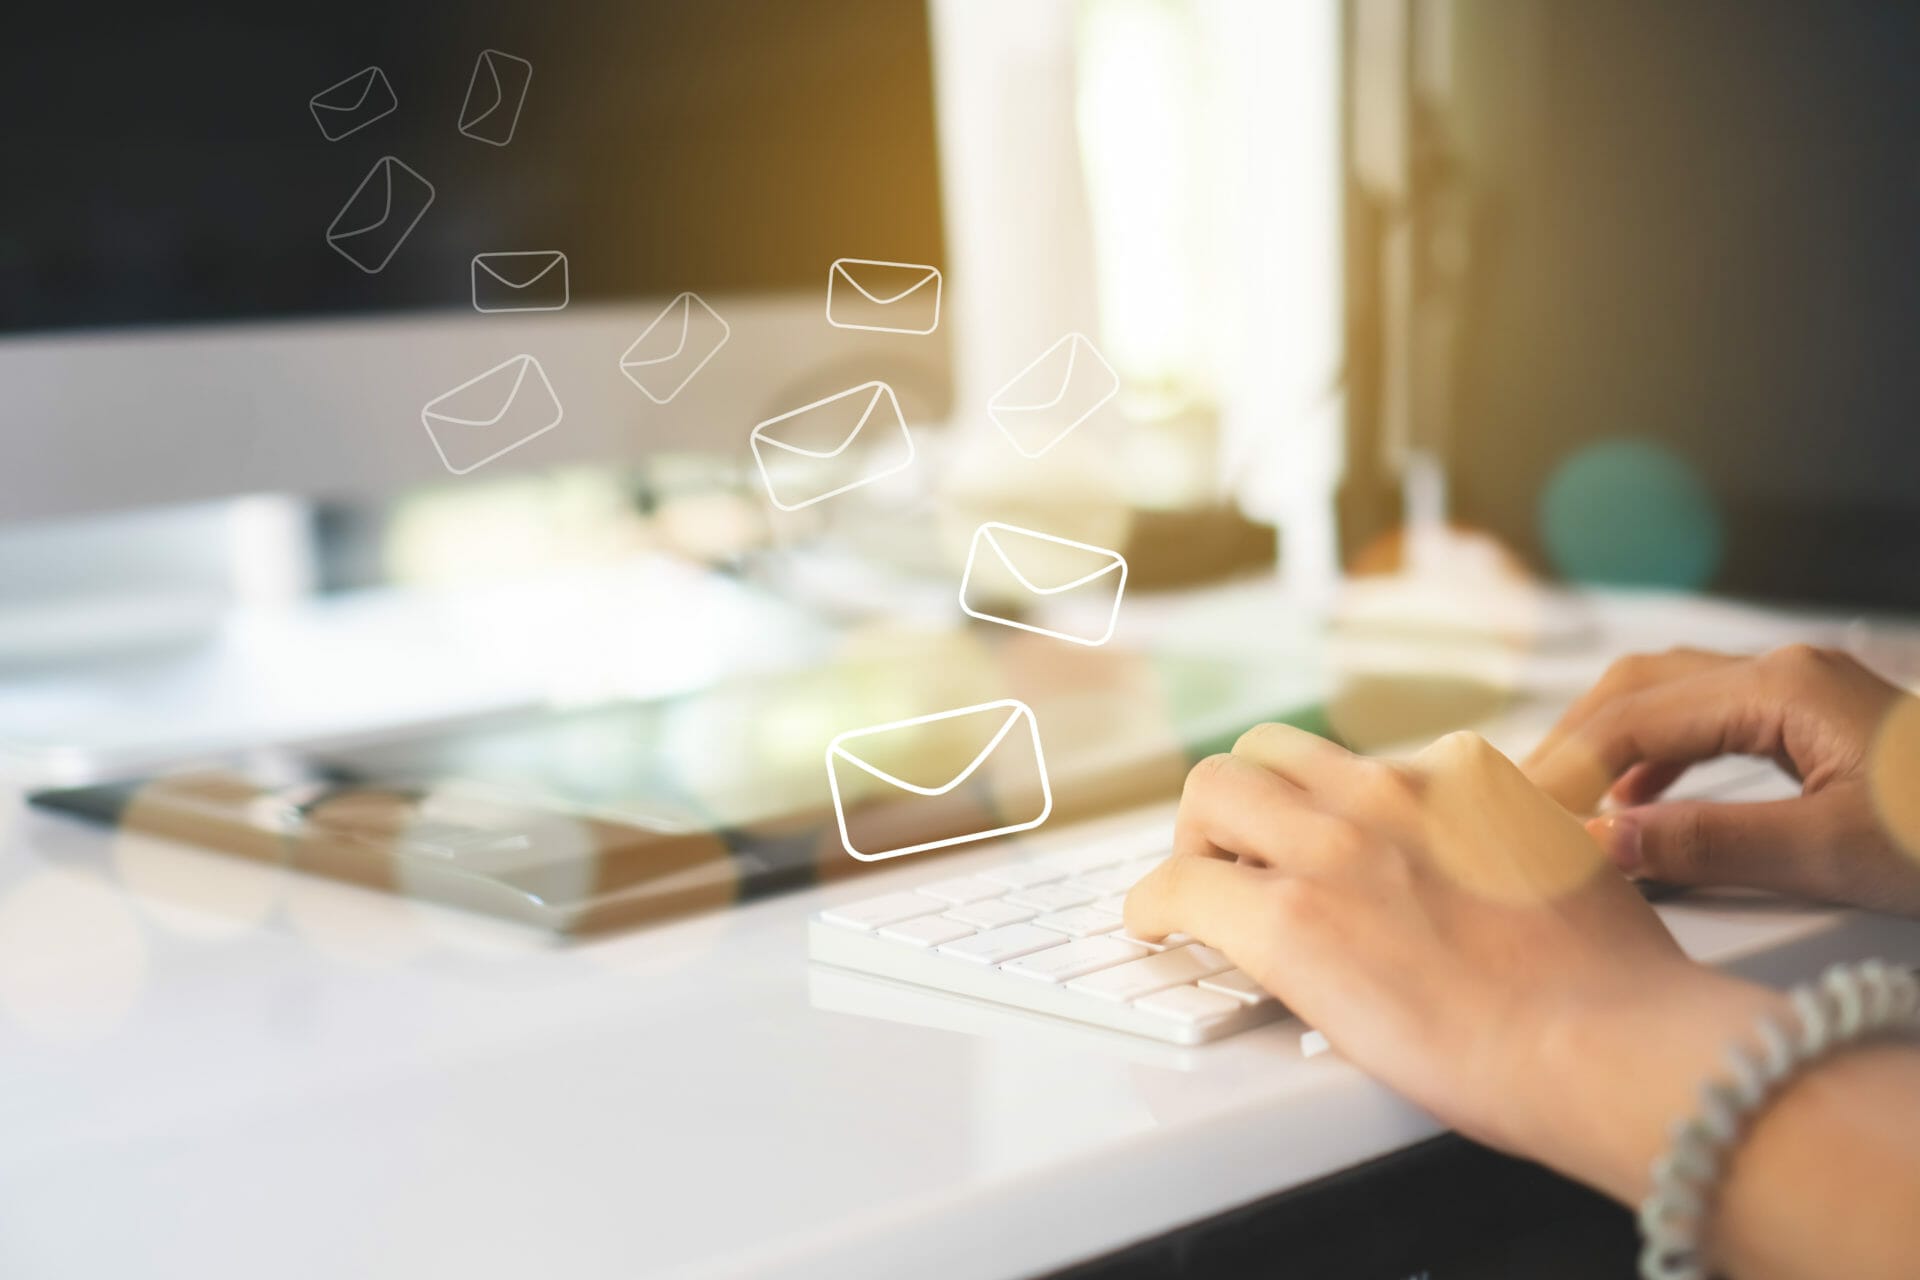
{"type": "Point", "coordinates": [1850, 738]}
{"type": "Point", "coordinates": [1453, 931]}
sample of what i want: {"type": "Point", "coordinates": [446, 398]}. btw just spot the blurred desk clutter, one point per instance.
{"type": "Point", "coordinates": [616, 802]}
{"type": "Point", "coordinates": [590, 817]}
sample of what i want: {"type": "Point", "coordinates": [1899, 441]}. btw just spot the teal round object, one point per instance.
{"type": "Point", "coordinates": [1630, 513]}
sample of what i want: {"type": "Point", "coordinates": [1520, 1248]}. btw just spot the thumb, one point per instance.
{"type": "Point", "coordinates": [1776, 845]}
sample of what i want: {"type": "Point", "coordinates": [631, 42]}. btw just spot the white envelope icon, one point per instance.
{"type": "Point", "coordinates": [1008, 565]}
{"type": "Point", "coordinates": [525, 280]}
{"type": "Point", "coordinates": [809, 454]}
{"type": "Point", "coordinates": [380, 214]}
{"type": "Point", "coordinates": [492, 414]}
{"type": "Point", "coordinates": [353, 104]}
{"type": "Point", "coordinates": [1060, 390]}
{"type": "Point", "coordinates": [884, 811]}
{"type": "Point", "coordinates": [495, 95]}
{"type": "Point", "coordinates": [883, 297]}
{"type": "Point", "coordinates": [677, 345]}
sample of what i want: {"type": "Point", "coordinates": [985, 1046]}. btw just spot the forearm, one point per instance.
{"type": "Point", "coordinates": [1825, 1183]}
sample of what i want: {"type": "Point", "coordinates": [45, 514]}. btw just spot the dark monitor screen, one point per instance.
{"type": "Point", "coordinates": [166, 163]}
{"type": "Point", "coordinates": [1687, 343]}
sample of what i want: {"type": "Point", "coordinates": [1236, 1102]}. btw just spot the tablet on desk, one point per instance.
{"type": "Point", "coordinates": [578, 821]}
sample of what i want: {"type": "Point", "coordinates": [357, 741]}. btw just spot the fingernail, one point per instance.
{"type": "Point", "coordinates": [1619, 835]}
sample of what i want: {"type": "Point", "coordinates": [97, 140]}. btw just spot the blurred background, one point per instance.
{"type": "Point", "coordinates": [1455, 346]}
{"type": "Point", "coordinates": [1429, 317]}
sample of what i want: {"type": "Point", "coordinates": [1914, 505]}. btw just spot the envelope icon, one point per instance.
{"type": "Point", "coordinates": [353, 104]}
{"type": "Point", "coordinates": [1009, 567]}
{"type": "Point", "coordinates": [883, 297]}
{"type": "Point", "coordinates": [822, 449]}
{"type": "Point", "coordinates": [530, 280]}
{"type": "Point", "coordinates": [487, 416]}
{"type": "Point", "coordinates": [949, 778]}
{"type": "Point", "coordinates": [380, 214]}
{"type": "Point", "coordinates": [677, 345]}
{"type": "Point", "coordinates": [495, 95]}
{"type": "Point", "coordinates": [1056, 393]}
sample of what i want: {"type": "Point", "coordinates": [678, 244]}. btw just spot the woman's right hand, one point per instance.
{"type": "Point", "coordinates": [1851, 739]}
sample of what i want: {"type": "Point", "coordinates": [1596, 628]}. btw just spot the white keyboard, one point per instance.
{"type": "Point", "coordinates": [1045, 934]}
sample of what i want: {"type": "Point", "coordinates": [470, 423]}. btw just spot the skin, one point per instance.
{"type": "Point", "coordinates": [1456, 932]}
{"type": "Point", "coordinates": [1849, 737]}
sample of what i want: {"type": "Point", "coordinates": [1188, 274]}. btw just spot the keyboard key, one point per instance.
{"type": "Point", "coordinates": [927, 931]}
{"type": "Point", "coordinates": [1053, 897]}
{"type": "Point", "coordinates": [1024, 875]}
{"type": "Point", "coordinates": [1070, 861]}
{"type": "Point", "coordinates": [1238, 985]}
{"type": "Point", "coordinates": [963, 889]}
{"type": "Point", "coordinates": [1058, 964]}
{"type": "Point", "coordinates": [991, 914]}
{"type": "Point", "coordinates": [1114, 906]}
{"type": "Point", "coordinates": [1128, 982]}
{"type": "Point", "coordinates": [1207, 955]}
{"type": "Point", "coordinates": [1081, 922]}
{"type": "Point", "coordinates": [997, 946]}
{"type": "Point", "coordinates": [1167, 943]}
{"type": "Point", "coordinates": [874, 913]}
{"type": "Point", "coordinates": [1187, 1004]}
{"type": "Point", "coordinates": [1121, 878]}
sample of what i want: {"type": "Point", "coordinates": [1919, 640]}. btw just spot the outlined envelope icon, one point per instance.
{"type": "Point", "coordinates": [495, 95]}
{"type": "Point", "coordinates": [949, 778]}
{"type": "Point", "coordinates": [526, 280]}
{"type": "Point", "coordinates": [353, 104]}
{"type": "Point", "coordinates": [1010, 566]}
{"type": "Point", "coordinates": [823, 449]}
{"type": "Point", "coordinates": [489, 415]}
{"type": "Point", "coordinates": [1045, 401]}
{"type": "Point", "coordinates": [380, 214]}
{"type": "Point", "coordinates": [883, 297]}
{"type": "Point", "coordinates": [677, 345]}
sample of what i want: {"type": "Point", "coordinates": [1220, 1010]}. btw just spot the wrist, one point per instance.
{"type": "Point", "coordinates": [1615, 1074]}
{"type": "Point", "coordinates": [1790, 1091]}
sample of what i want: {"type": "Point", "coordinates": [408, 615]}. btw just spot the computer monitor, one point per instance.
{"type": "Point", "coordinates": [1693, 270]}
{"type": "Point", "coordinates": [180, 318]}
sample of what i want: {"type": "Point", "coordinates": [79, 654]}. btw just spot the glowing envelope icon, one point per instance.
{"type": "Point", "coordinates": [533, 280]}
{"type": "Point", "coordinates": [492, 414]}
{"type": "Point", "coordinates": [883, 297]}
{"type": "Point", "coordinates": [885, 810]}
{"type": "Point", "coordinates": [495, 95]}
{"type": "Point", "coordinates": [353, 104]}
{"type": "Point", "coordinates": [1063, 387]}
{"type": "Point", "coordinates": [841, 442]}
{"type": "Point", "coordinates": [380, 214]}
{"type": "Point", "coordinates": [1009, 567]}
{"type": "Point", "coordinates": [675, 347]}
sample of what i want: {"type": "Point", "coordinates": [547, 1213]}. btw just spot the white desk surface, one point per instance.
{"type": "Point", "coordinates": [212, 1069]}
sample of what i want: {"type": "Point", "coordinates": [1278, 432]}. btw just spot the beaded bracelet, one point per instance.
{"type": "Point", "coordinates": [1849, 1004]}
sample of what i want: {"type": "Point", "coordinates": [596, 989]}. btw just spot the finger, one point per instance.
{"type": "Point", "coordinates": [1729, 710]}
{"type": "Point", "coordinates": [1780, 845]}
{"type": "Point", "coordinates": [1646, 782]}
{"type": "Point", "coordinates": [1304, 759]}
{"type": "Point", "coordinates": [1628, 675]}
{"type": "Point", "coordinates": [1226, 804]}
{"type": "Point", "coordinates": [1357, 789]}
{"type": "Point", "coordinates": [1217, 902]}
{"type": "Point", "coordinates": [1485, 828]}
{"type": "Point", "coordinates": [1232, 807]}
